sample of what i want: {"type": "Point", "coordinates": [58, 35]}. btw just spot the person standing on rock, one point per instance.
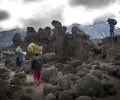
{"type": "Point", "coordinates": [37, 68]}
{"type": "Point", "coordinates": [112, 23]}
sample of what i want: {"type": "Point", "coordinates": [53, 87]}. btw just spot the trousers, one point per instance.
{"type": "Point", "coordinates": [37, 75]}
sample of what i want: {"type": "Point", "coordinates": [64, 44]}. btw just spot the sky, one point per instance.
{"type": "Point", "coordinates": [40, 13]}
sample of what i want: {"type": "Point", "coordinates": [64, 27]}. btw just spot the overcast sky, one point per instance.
{"type": "Point", "coordinates": [40, 13]}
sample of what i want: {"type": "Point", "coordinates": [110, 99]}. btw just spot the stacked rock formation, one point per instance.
{"type": "Point", "coordinates": [66, 46]}
{"type": "Point", "coordinates": [111, 48]}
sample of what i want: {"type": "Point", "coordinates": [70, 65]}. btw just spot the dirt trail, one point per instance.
{"type": "Point", "coordinates": [37, 93]}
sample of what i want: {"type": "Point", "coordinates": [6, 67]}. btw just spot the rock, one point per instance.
{"type": "Point", "coordinates": [15, 81]}
{"type": "Point", "coordinates": [30, 29]}
{"type": "Point", "coordinates": [111, 48]}
{"type": "Point", "coordinates": [48, 88]}
{"type": "Point", "coordinates": [107, 86]}
{"type": "Point", "coordinates": [83, 98]}
{"type": "Point", "coordinates": [5, 76]}
{"type": "Point", "coordinates": [111, 91]}
{"type": "Point", "coordinates": [17, 41]}
{"type": "Point", "coordinates": [48, 30]}
{"type": "Point", "coordinates": [113, 70]}
{"type": "Point", "coordinates": [75, 63]}
{"type": "Point", "coordinates": [2, 70]}
{"type": "Point", "coordinates": [29, 90]}
{"type": "Point", "coordinates": [50, 96]}
{"type": "Point", "coordinates": [45, 75]}
{"type": "Point", "coordinates": [89, 85]}
{"type": "Point", "coordinates": [9, 92]}
{"type": "Point", "coordinates": [73, 77]}
{"type": "Point", "coordinates": [53, 76]}
{"type": "Point", "coordinates": [95, 63]}
{"type": "Point", "coordinates": [56, 24]}
{"type": "Point", "coordinates": [3, 90]}
{"type": "Point", "coordinates": [59, 66]}
{"type": "Point", "coordinates": [60, 74]}
{"type": "Point", "coordinates": [68, 69]}
{"type": "Point", "coordinates": [118, 74]}
{"type": "Point", "coordinates": [97, 73]}
{"type": "Point", "coordinates": [49, 57]}
{"type": "Point", "coordinates": [46, 66]}
{"type": "Point", "coordinates": [83, 72]}
{"type": "Point", "coordinates": [26, 68]}
{"type": "Point", "coordinates": [79, 68]}
{"type": "Point", "coordinates": [21, 75]}
{"type": "Point", "coordinates": [25, 97]}
{"type": "Point", "coordinates": [65, 95]}
{"type": "Point", "coordinates": [64, 83]}
{"type": "Point", "coordinates": [88, 66]}
{"type": "Point", "coordinates": [94, 67]}
{"type": "Point", "coordinates": [3, 95]}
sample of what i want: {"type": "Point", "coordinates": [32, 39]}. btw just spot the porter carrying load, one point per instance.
{"type": "Point", "coordinates": [35, 48]}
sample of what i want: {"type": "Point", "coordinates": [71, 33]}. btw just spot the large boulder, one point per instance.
{"type": "Point", "coordinates": [66, 95]}
{"type": "Point", "coordinates": [17, 41]}
{"type": "Point", "coordinates": [49, 57]}
{"type": "Point", "coordinates": [64, 82]}
{"type": "Point", "coordinates": [50, 96]}
{"type": "Point", "coordinates": [53, 76]}
{"type": "Point", "coordinates": [56, 24]}
{"type": "Point", "coordinates": [88, 85]}
{"type": "Point", "coordinates": [68, 69]}
{"type": "Point", "coordinates": [111, 48]}
{"type": "Point", "coordinates": [48, 88]}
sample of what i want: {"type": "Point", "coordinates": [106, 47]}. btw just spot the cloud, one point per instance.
{"type": "Point", "coordinates": [91, 4]}
{"type": "Point", "coordinates": [29, 1]}
{"type": "Point", "coordinates": [103, 18]}
{"type": "Point", "coordinates": [37, 21]}
{"type": "Point", "coordinates": [0, 29]}
{"type": "Point", "coordinates": [4, 15]}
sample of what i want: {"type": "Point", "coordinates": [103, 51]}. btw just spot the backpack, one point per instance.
{"type": "Point", "coordinates": [7, 57]}
{"type": "Point", "coordinates": [114, 22]}
{"type": "Point", "coordinates": [38, 62]}
{"type": "Point", "coordinates": [21, 59]}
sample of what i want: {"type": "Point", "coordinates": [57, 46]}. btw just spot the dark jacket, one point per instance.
{"type": "Point", "coordinates": [111, 22]}
{"type": "Point", "coordinates": [17, 60]}
{"type": "Point", "coordinates": [33, 67]}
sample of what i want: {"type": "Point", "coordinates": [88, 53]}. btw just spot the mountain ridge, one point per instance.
{"type": "Point", "coordinates": [97, 30]}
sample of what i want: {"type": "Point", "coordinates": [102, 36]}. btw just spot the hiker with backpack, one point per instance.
{"type": "Point", "coordinates": [7, 60]}
{"type": "Point", "coordinates": [112, 23]}
{"type": "Point", "coordinates": [37, 61]}
{"type": "Point", "coordinates": [37, 68]}
{"type": "Point", "coordinates": [19, 60]}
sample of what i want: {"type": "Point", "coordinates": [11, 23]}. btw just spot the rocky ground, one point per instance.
{"type": "Point", "coordinates": [36, 92]}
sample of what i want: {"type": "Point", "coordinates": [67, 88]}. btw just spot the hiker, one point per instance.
{"type": "Point", "coordinates": [112, 23]}
{"type": "Point", "coordinates": [7, 60]}
{"type": "Point", "coordinates": [37, 68]}
{"type": "Point", "coordinates": [19, 60]}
